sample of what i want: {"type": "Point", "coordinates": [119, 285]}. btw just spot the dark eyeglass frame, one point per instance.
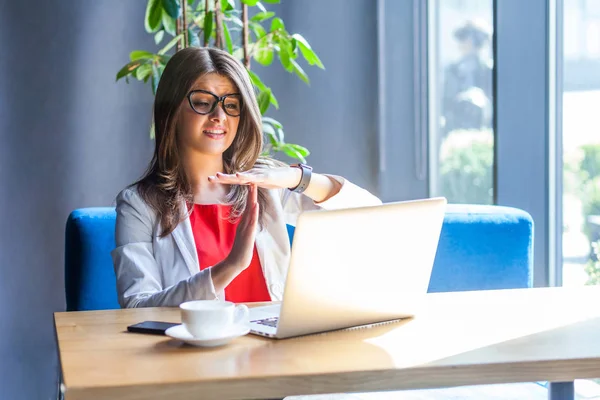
{"type": "Point", "coordinates": [214, 104]}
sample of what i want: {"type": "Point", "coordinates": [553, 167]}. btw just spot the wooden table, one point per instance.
{"type": "Point", "coordinates": [467, 338]}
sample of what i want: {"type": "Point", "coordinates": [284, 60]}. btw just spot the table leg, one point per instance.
{"type": "Point", "coordinates": [561, 391]}
{"type": "Point", "coordinates": [60, 391]}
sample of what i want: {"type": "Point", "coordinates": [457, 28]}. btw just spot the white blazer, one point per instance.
{"type": "Point", "coordinates": [164, 272]}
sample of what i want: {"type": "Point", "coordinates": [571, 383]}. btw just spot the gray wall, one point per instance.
{"type": "Point", "coordinates": [72, 137]}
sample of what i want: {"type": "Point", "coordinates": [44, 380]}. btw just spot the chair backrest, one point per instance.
{"type": "Point", "coordinates": [89, 274]}
{"type": "Point", "coordinates": [481, 247]}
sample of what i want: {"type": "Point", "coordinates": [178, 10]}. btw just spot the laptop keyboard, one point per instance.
{"type": "Point", "coordinates": [272, 322]}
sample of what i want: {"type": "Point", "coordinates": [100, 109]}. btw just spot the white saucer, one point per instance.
{"type": "Point", "coordinates": [180, 333]}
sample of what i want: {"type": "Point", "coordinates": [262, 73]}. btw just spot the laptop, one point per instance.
{"type": "Point", "coordinates": [354, 267]}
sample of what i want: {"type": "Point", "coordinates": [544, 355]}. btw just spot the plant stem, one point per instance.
{"type": "Point", "coordinates": [206, 9]}
{"type": "Point", "coordinates": [218, 23]}
{"type": "Point", "coordinates": [245, 35]}
{"type": "Point", "coordinates": [177, 32]}
{"type": "Point", "coordinates": [186, 40]}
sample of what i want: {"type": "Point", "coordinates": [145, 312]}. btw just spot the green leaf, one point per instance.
{"type": "Point", "coordinates": [274, 101]}
{"type": "Point", "coordinates": [277, 24]}
{"type": "Point", "coordinates": [300, 149]}
{"type": "Point", "coordinates": [143, 71]}
{"type": "Point", "coordinates": [273, 122]}
{"type": "Point", "coordinates": [155, 78]}
{"type": "Point", "coordinates": [227, 5]}
{"type": "Point", "coordinates": [238, 54]}
{"type": "Point", "coordinates": [285, 59]}
{"type": "Point", "coordinates": [208, 25]}
{"type": "Point", "coordinates": [190, 2]}
{"type": "Point", "coordinates": [300, 72]}
{"type": "Point", "coordinates": [154, 10]}
{"type": "Point", "coordinates": [256, 81]}
{"type": "Point", "coordinates": [264, 56]}
{"type": "Point", "coordinates": [285, 56]}
{"type": "Point", "coordinates": [159, 36]}
{"type": "Point", "coordinates": [228, 42]}
{"type": "Point", "coordinates": [274, 131]}
{"type": "Point", "coordinates": [295, 151]}
{"type": "Point", "coordinates": [285, 42]}
{"type": "Point", "coordinates": [261, 16]}
{"type": "Point", "coordinates": [172, 7]}
{"type": "Point", "coordinates": [270, 132]}
{"type": "Point", "coordinates": [250, 2]}
{"type": "Point", "coordinates": [170, 44]}
{"type": "Point", "coordinates": [294, 43]}
{"type": "Point", "coordinates": [258, 30]}
{"type": "Point", "coordinates": [280, 136]}
{"type": "Point", "coordinates": [263, 53]}
{"type": "Point", "coordinates": [163, 59]}
{"type": "Point", "coordinates": [128, 69]}
{"type": "Point", "coordinates": [307, 52]}
{"type": "Point", "coordinates": [261, 7]}
{"type": "Point", "coordinates": [264, 98]}
{"type": "Point", "coordinates": [140, 54]}
{"type": "Point", "coordinates": [193, 37]}
{"type": "Point", "coordinates": [237, 21]}
{"type": "Point", "coordinates": [272, 1]}
{"type": "Point", "coordinates": [169, 23]}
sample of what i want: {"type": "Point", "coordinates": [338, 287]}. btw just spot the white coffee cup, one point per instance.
{"type": "Point", "coordinates": [212, 318]}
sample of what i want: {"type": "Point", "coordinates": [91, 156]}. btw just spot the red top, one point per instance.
{"type": "Point", "coordinates": [214, 235]}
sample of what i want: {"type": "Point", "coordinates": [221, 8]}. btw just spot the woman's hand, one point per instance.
{"type": "Point", "coordinates": [243, 245]}
{"type": "Point", "coordinates": [271, 178]}
{"type": "Point", "coordinates": [319, 189]}
{"type": "Point", "coordinates": [240, 256]}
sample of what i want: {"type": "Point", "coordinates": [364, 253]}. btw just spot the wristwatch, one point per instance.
{"type": "Point", "coordinates": [305, 180]}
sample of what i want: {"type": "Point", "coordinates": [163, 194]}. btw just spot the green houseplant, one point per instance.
{"type": "Point", "coordinates": [466, 167]}
{"type": "Point", "coordinates": [586, 174]}
{"type": "Point", "coordinates": [591, 212]}
{"type": "Point", "coordinates": [227, 25]}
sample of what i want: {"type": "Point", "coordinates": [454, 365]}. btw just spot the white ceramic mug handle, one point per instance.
{"type": "Point", "coordinates": [242, 314]}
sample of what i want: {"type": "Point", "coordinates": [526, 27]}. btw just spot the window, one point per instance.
{"type": "Point", "coordinates": [461, 135]}
{"type": "Point", "coordinates": [581, 142]}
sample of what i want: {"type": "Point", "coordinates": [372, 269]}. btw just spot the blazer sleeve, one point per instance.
{"type": "Point", "coordinates": [137, 272]}
{"type": "Point", "coordinates": [349, 196]}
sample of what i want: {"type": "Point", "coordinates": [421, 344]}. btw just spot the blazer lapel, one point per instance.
{"type": "Point", "coordinates": [184, 238]}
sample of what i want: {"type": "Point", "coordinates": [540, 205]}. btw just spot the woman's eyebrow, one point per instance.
{"type": "Point", "coordinates": [228, 90]}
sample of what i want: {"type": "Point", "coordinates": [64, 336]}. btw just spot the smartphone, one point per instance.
{"type": "Point", "coordinates": [151, 327]}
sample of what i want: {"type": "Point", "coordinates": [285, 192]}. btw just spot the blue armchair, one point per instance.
{"type": "Point", "coordinates": [480, 248]}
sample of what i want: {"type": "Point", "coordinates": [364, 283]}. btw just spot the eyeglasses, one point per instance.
{"type": "Point", "coordinates": [204, 102]}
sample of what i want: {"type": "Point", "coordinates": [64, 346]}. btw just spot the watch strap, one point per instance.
{"type": "Point", "coordinates": [304, 180]}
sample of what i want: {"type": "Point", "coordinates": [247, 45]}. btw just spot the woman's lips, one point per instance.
{"type": "Point", "coordinates": [215, 133]}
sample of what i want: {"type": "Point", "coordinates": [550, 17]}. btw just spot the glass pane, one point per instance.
{"type": "Point", "coordinates": [581, 142]}
{"type": "Point", "coordinates": [461, 100]}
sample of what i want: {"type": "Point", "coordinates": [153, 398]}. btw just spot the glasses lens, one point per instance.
{"type": "Point", "coordinates": [233, 105]}
{"type": "Point", "coordinates": [202, 102]}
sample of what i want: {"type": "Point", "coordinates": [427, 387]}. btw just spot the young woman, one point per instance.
{"type": "Point", "coordinates": [208, 219]}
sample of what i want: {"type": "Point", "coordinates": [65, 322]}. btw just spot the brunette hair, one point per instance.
{"type": "Point", "coordinates": [164, 186]}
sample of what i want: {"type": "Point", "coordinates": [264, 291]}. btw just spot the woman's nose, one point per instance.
{"type": "Point", "coordinates": [218, 114]}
